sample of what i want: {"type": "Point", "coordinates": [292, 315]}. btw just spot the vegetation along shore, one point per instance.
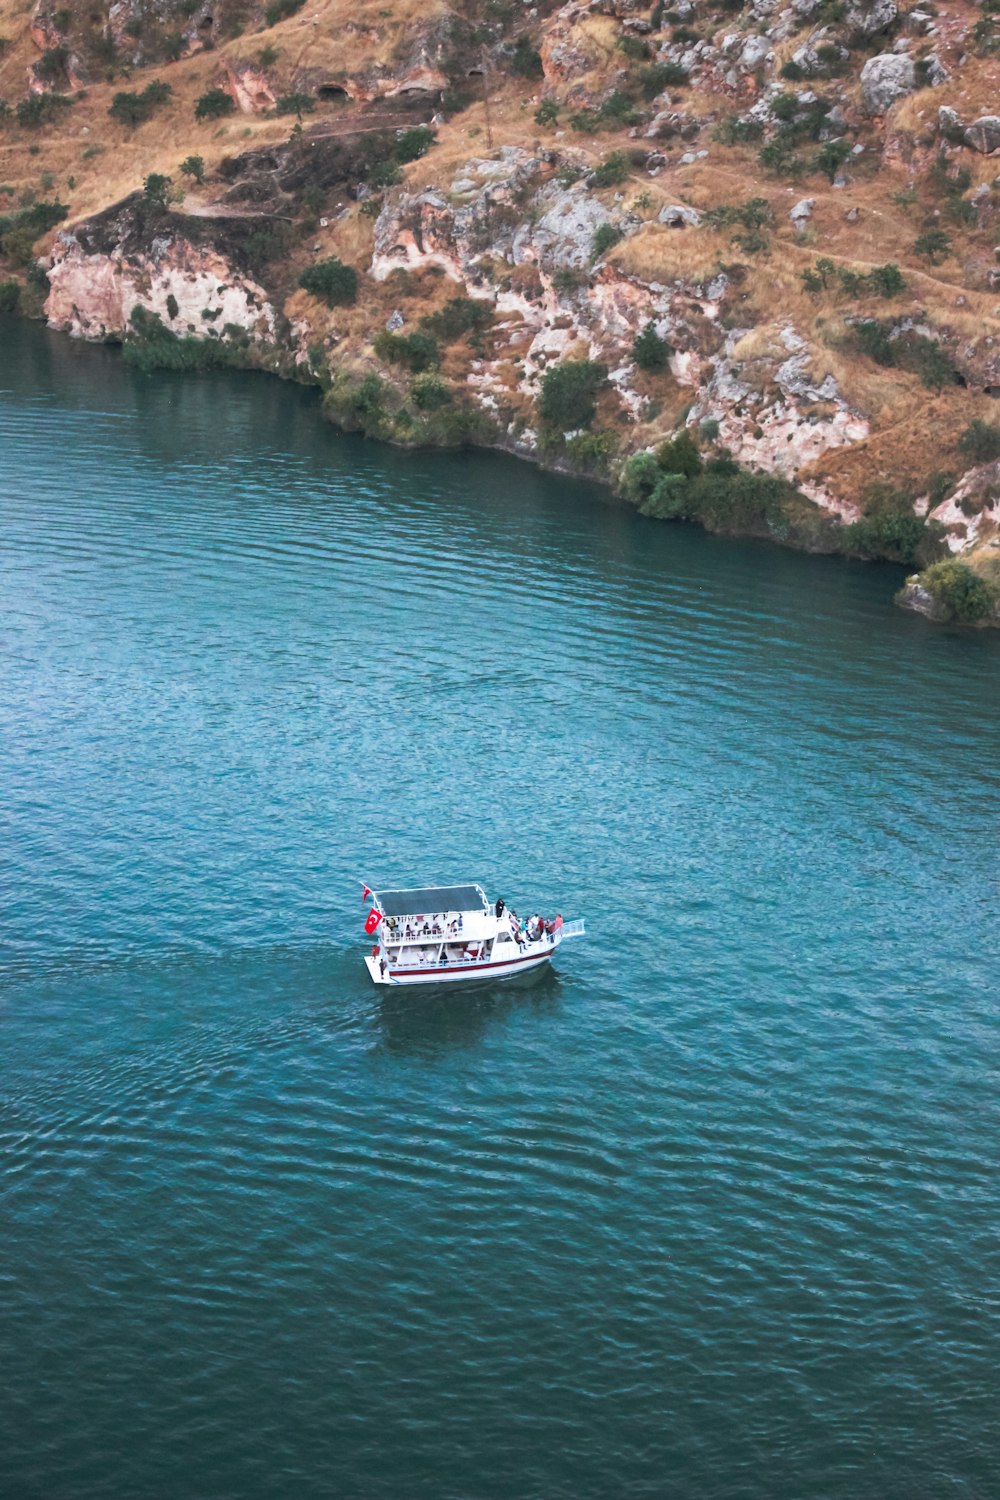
{"type": "Point", "coordinates": [741, 261]}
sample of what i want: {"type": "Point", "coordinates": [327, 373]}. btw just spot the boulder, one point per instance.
{"type": "Point", "coordinates": [679, 216]}
{"type": "Point", "coordinates": [802, 213]}
{"type": "Point", "coordinates": [808, 59]}
{"type": "Point", "coordinates": [884, 79]}
{"type": "Point", "coordinates": [755, 54]}
{"type": "Point", "coordinates": [949, 123]}
{"type": "Point", "coordinates": [983, 135]}
{"type": "Point", "coordinates": [869, 17]}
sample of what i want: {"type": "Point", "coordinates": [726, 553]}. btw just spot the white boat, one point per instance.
{"type": "Point", "coordinates": [453, 934]}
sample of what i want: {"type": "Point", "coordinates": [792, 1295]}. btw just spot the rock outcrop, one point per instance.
{"type": "Point", "coordinates": [886, 78]}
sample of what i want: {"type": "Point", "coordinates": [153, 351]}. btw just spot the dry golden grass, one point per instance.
{"type": "Point", "coordinates": [655, 253]}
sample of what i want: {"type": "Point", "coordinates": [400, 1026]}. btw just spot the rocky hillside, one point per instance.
{"type": "Point", "coordinates": [742, 260]}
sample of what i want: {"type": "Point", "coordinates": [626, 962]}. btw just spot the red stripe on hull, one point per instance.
{"type": "Point", "coordinates": [504, 963]}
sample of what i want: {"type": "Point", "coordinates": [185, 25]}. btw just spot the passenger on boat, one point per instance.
{"type": "Point", "coordinates": [499, 906]}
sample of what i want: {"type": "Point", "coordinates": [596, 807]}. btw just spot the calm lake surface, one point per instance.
{"type": "Point", "coordinates": [711, 1211]}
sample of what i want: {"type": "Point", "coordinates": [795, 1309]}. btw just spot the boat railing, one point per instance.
{"type": "Point", "coordinates": [576, 928]}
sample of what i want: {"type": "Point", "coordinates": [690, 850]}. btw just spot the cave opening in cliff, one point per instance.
{"type": "Point", "coordinates": [205, 24]}
{"type": "Point", "coordinates": [332, 93]}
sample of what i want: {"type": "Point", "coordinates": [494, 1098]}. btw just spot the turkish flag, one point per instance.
{"type": "Point", "coordinates": [365, 893]}
{"type": "Point", "coordinates": [372, 920]}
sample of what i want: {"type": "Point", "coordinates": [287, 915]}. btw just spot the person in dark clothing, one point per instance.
{"type": "Point", "coordinates": [499, 906]}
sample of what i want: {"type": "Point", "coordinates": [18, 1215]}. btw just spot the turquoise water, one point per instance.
{"type": "Point", "coordinates": [711, 1211]}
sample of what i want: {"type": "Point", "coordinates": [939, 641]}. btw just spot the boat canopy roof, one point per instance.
{"type": "Point", "coordinates": [435, 898]}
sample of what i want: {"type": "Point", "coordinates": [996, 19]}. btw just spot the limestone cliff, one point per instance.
{"type": "Point", "coordinates": [575, 232]}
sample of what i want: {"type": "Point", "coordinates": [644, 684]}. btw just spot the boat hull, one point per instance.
{"type": "Point", "coordinates": [470, 973]}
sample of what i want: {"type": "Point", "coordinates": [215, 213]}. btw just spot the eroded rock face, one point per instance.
{"type": "Point", "coordinates": [884, 79]}
{"type": "Point", "coordinates": [98, 277]}
{"type": "Point", "coordinates": [773, 413]}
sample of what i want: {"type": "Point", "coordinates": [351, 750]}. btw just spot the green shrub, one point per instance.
{"type": "Point", "coordinates": [612, 170]}
{"type": "Point", "coordinates": [370, 394]}
{"type": "Point", "coordinates": [385, 174]}
{"type": "Point", "coordinates": [605, 236]}
{"type": "Point", "coordinates": [52, 64]}
{"type": "Point", "coordinates": [736, 129]}
{"type": "Point", "coordinates": [888, 529]}
{"type": "Point", "coordinates": [267, 56]}
{"type": "Point", "coordinates": [568, 279]}
{"type": "Point", "coordinates": [793, 71]}
{"type": "Point", "coordinates": [980, 441]}
{"type": "Point", "coordinates": [20, 230]}
{"type": "Point", "coordinates": [659, 76]}
{"type": "Point", "coordinates": [679, 455]}
{"type": "Point", "coordinates": [10, 294]}
{"type": "Point", "coordinates": [41, 109]}
{"type": "Point", "coordinates": [414, 143]}
{"type": "Point", "coordinates": [194, 166]}
{"type": "Point", "coordinates": [430, 392]}
{"type": "Point", "coordinates": [150, 345]}
{"type": "Point", "coordinates": [213, 105]}
{"type": "Point", "coordinates": [618, 109]}
{"type": "Point", "coordinates": [639, 477]}
{"type": "Point", "coordinates": [959, 591]}
{"type": "Point", "coordinates": [870, 338]}
{"type": "Point", "coordinates": [925, 358]}
{"type": "Point", "coordinates": [933, 244]}
{"type": "Point", "coordinates": [415, 351]}
{"type": "Point", "coordinates": [331, 281]}
{"type": "Point", "coordinates": [592, 451]}
{"type": "Point", "coordinates": [887, 280]}
{"type": "Point", "coordinates": [295, 104]}
{"type": "Point", "coordinates": [633, 47]}
{"type": "Point", "coordinates": [779, 157]}
{"type": "Point", "coordinates": [649, 351]}
{"type": "Point", "coordinates": [547, 112]}
{"type": "Point", "coordinates": [173, 307]}
{"type": "Point", "coordinates": [459, 315]}
{"type": "Point", "coordinates": [569, 393]}
{"type": "Point", "coordinates": [136, 109]}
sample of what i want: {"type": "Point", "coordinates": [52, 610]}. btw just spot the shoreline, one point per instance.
{"type": "Point", "coordinates": [910, 594]}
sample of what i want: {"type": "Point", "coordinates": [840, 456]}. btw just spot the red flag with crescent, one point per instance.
{"type": "Point", "coordinates": [365, 891]}
{"type": "Point", "coordinates": [372, 920]}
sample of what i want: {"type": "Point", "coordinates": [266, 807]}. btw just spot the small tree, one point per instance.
{"type": "Point", "coordinates": [156, 190]}
{"type": "Point", "coordinates": [831, 157]}
{"type": "Point", "coordinates": [213, 105]}
{"type": "Point", "coordinates": [547, 112]}
{"type": "Point", "coordinates": [933, 244]}
{"type": "Point", "coordinates": [569, 393]}
{"type": "Point", "coordinates": [194, 166]}
{"type": "Point", "coordinates": [887, 280]}
{"type": "Point", "coordinates": [612, 170]}
{"type": "Point", "coordinates": [295, 104]}
{"type": "Point", "coordinates": [331, 281]}
{"type": "Point", "coordinates": [649, 351]}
